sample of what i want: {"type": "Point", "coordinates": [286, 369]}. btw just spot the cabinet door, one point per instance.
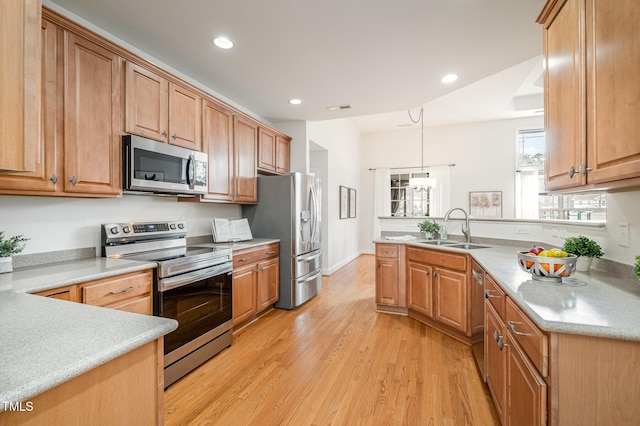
{"type": "Point", "coordinates": [496, 359]}
{"type": "Point", "coordinates": [387, 281]}
{"type": "Point", "coordinates": [266, 150]}
{"type": "Point", "coordinates": [526, 391]}
{"type": "Point", "coordinates": [420, 291]}
{"type": "Point", "coordinates": [613, 92]}
{"type": "Point", "coordinates": [244, 295]}
{"type": "Point", "coordinates": [46, 155]}
{"type": "Point", "coordinates": [184, 118]}
{"type": "Point", "coordinates": [20, 81]}
{"type": "Point", "coordinates": [217, 142]}
{"type": "Point", "coordinates": [564, 97]}
{"type": "Point", "coordinates": [450, 297]}
{"type": "Point", "coordinates": [92, 118]}
{"type": "Point", "coordinates": [268, 283]}
{"type": "Point", "coordinates": [146, 104]}
{"type": "Point", "coordinates": [283, 155]}
{"type": "Point", "coordinates": [245, 138]}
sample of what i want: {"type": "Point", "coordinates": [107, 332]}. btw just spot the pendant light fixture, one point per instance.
{"type": "Point", "coordinates": [421, 181]}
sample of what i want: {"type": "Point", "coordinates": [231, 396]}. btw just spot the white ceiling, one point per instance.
{"type": "Point", "coordinates": [382, 57]}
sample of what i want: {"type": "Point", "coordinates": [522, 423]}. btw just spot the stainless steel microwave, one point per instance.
{"type": "Point", "coordinates": [156, 167]}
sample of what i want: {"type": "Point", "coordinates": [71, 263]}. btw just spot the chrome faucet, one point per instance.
{"type": "Point", "coordinates": [465, 226]}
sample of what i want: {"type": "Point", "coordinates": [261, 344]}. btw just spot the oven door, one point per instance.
{"type": "Point", "coordinates": [201, 303]}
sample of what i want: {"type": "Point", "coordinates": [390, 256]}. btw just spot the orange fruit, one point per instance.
{"type": "Point", "coordinates": [545, 266]}
{"type": "Point", "coordinates": [529, 263]}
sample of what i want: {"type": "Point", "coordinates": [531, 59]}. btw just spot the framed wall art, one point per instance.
{"type": "Point", "coordinates": [485, 204]}
{"type": "Point", "coordinates": [344, 202]}
{"type": "Point", "coordinates": [352, 202]}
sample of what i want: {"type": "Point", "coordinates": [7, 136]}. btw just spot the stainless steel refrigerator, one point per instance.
{"type": "Point", "coordinates": [289, 209]}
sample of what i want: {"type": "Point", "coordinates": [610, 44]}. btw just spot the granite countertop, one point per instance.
{"type": "Point", "coordinates": [46, 342]}
{"type": "Point", "coordinates": [54, 275]}
{"type": "Point", "coordinates": [591, 303]}
{"type": "Point", "coordinates": [240, 245]}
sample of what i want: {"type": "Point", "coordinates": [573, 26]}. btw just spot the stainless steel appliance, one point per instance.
{"type": "Point", "coordinates": [192, 285]}
{"type": "Point", "coordinates": [477, 316]}
{"type": "Point", "coordinates": [155, 167]}
{"type": "Point", "coordinates": [289, 209]}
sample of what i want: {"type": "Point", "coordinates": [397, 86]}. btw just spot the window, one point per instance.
{"type": "Point", "coordinates": [405, 201]}
{"type": "Point", "coordinates": [532, 199]}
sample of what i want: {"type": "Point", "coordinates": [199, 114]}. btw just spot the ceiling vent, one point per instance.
{"type": "Point", "coordinates": [338, 107]}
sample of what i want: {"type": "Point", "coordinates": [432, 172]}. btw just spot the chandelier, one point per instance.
{"type": "Point", "coordinates": [421, 181]}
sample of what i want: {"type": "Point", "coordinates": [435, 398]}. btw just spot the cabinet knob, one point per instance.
{"type": "Point", "coordinates": [584, 169]}
{"type": "Point", "coordinates": [378, 265]}
{"type": "Point", "coordinates": [496, 335]}
{"type": "Point", "coordinates": [571, 171]}
{"type": "Point", "coordinates": [73, 180]}
{"type": "Point", "coordinates": [54, 179]}
{"type": "Point", "coordinates": [435, 274]}
{"type": "Point", "coordinates": [164, 133]}
{"type": "Point", "coordinates": [501, 343]}
{"type": "Point", "coordinates": [174, 136]}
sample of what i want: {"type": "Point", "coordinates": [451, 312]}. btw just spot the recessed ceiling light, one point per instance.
{"type": "Point", "coordinates": [449, 78]}
{"type": "Point", "coordinates": [223, 42]}
{"type": "Point", "coordinates": [295, 101]}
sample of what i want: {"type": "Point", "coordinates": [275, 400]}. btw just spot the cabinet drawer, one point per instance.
{"type": "Point", "coordinates": [494, 294]}
{"type": "Point", "coordinates": [533, 341]}
{"type": "Point", "coordinates": [438, 258]}
{"type": "Point", "coordinates": [387, 250]}
{"type": "Point", "coordinates": [113, 290]}
{"type": "Point", "coordinates": [137, 305]}
{"type": "Point", "coordinates": [254, 255]}
{"type": "Point", "coordinates": [61, 293]}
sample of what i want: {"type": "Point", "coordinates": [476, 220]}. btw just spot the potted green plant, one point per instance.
{"type": "Point", "coordinates": [585, 248]}
{"type": "Point", "coordinates": [429, 228]}
{"type": "Point", "coordinates": [637, 267]}
{"type": "Point", "coordinates": [9, 247]}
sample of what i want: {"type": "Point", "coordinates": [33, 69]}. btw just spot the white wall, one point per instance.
{"type": "Point", "coordinates": [342, 141]}
{"type": "Point", "coordinates": [54, 224]}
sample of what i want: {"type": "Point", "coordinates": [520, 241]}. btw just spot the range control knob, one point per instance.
{"type": "Point", "coordinates": [181, 225]}
{"type": "Point", "coordinates": [126, 229]}
{"type": "Point", "coordinates": [172, 226]}
{"type": "Point", "coordinates": [114, 230]}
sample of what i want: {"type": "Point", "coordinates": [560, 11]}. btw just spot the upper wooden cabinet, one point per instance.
{"type": "Point", "coordinates": [245, 140]}
{"type": "Point", "coordinates": [20, 66]}
{"type": "Point", "coordinates": [592, 98]}
{"type": "Point", "coordinates": [162, 110]}
{"type": "Point", "coordinates": [217, 142]}
{"type": "Point", "coordinates": [78, 152]}
{"type": "Point", "coordinates": [273, 151]}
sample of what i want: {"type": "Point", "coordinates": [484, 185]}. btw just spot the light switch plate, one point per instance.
{"type": "Point", "coordinates": [623, 234]}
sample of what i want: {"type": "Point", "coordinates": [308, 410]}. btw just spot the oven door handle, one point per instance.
{"type": "Point", "coordinates": [165, 284]}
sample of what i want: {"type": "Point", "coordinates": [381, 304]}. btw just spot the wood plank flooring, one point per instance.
{"type": "Point", "coordinates": [335, 361]}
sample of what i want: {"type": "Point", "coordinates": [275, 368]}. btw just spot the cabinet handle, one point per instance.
{"type": "Point", "coordinates": [73, 180]}
{"type": "Point", "coordinates": [434, 274]}
{"type": "Point", "coordinates": [124, 290]}
{"type": "Point", "coordinates": [571, 171]}
{"type": "Point", "coordinates": [501, 343]}
{"type": "Point", "coordinates": [174, 136]}
{"type": "Point", "coordinates": [487, 295]}
{"type": "Point", "coordinates": [512, 327]}
{"type": "Point", "coordinates": [496, 335]}
{"type": "Point", "coordinates": [245, 259]}
{"type": "Point", "coordinates": [387, 252]}
{"type": "Point", "coordinates": [584, 169]}
{"type": "Point", "coordinates": [271, 252]}
{"type": "Point", "coordinates": [164, 133]}
{"type": "Point", "coordinates": [54, 179]}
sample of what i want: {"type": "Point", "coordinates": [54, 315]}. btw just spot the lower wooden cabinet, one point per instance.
{"type": "Point", "coordinates": [256, 277]}
{"type": "Point", "coordinates": [390, 286]}
{"type": "Point", "coordinates": [420, 296]}
{"type": "Point", "coordinates": [128, 292]}
{"type": "Point", "coordinates": [451, 299]}
{"type": "Point", "coordinates": [496, 359]}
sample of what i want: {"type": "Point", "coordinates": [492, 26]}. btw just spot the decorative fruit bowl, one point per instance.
{"type": "Point", "coordinates": [551, 269]}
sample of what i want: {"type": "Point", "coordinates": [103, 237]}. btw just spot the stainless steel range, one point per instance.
{"type": "Point", "coordinates": [192, 286]}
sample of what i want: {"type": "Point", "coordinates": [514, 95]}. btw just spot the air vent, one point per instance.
{"type": "Point", "coordinates": [338, 107]}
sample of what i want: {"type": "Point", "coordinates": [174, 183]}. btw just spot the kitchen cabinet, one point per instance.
{"type": "Point", "coordinates": [79, 151]}
{"type": "Point", "coordinates": [217, 142]}
{"type": "Point", "coordinates": [127, 292]}
{"type": "Point", "coordinates": [273, 151]}
{"type": "Point", "coordinates": [449, 278]}
{"type": "Point", "coordinates": [20, 67]}
{"type": "Point", "coordinates": [591, 95]}
{"type": "Point", "coordinates": [496, 359]}
{"type": "Point", "coordinates": [255, 281]}
{"type": "Point", "coordinates": [245, 142]}
{"type": "Point", "coordinates": [389, 274]}
{"type": "Point", "coordinates": [527, 391]}
{"type": "Point", "coordinates": [160, 109]}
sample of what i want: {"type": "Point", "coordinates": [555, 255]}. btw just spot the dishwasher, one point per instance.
{"type": "Point", "coordinates": [477, 316]}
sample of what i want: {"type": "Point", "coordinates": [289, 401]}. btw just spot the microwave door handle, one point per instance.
{"type": "Point", "coordinates": [191, 171]}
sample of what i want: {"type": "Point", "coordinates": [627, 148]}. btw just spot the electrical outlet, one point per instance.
{"type": "Point", "coordinates": [522, 229]}
{"type": "Point", "coordinates": [623, 234]}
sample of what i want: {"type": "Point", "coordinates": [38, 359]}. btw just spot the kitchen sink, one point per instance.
{"type": "Point", "coordinates": [438, 242]}
{"type": "Point", "coordinates": [467, 246]}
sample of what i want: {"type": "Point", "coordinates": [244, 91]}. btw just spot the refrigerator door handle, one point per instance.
{"type": "Point", "coordinates": [307, 279]}
{"type": "Point", "coordinates": [313, 256]}
{"type": "Point", "coordinates": [314, 226]}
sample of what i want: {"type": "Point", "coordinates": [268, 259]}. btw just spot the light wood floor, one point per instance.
{"type": "Point", "coordinates": [335, 361]}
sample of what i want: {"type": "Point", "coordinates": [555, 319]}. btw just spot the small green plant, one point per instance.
{"type": "Point", "coordinates": [637, 267]}
{"type": "Point", "coordinates": [11, 246]}
{"type": "Point", "coordinates": [430, 227]}
{"type": "Point", "coordinates": [582, 246]}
